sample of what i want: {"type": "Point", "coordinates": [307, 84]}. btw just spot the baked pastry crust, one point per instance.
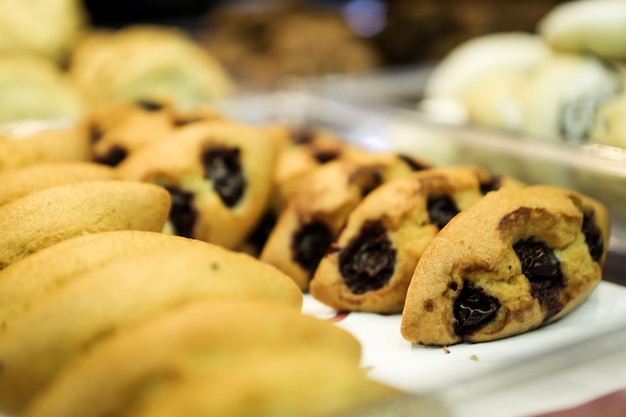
{"type": "Point", "coordinates": [516, 260]}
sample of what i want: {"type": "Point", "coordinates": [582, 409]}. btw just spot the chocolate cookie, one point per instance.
{"type": "Point", "coordinates": [515, 260]}
{"type": "Point", "coordinates": [370, 264]}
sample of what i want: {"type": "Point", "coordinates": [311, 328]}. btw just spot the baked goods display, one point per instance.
{"type": "Point", "coordinates": [370, 264]}
{"type": "Point", "coordinates": [561, 83]}
{"type": "Point", "coordinates": [154, 250]}
{"type": "Point", "coordinates": [516, 260]}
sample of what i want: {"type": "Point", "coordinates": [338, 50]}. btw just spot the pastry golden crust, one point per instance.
{"type": "Point", "coordinates": [49, 216]}
{"type": "Point", "coordinates": [515, 260]}
{"type": "Point", "coordinates": [21, 182]}
{"type": "Point", "coordinates": [104, 301]}
{"type": "Point", "coordinates": [27, 282]}
{"type": "Point", "coordinates": [200, 337]}
{"type": "Point", "coordinates": [318, 210]}
{"type": "Point", "coordinates": [219, 175]}
{"type": "Point", "coordinates": [370, 264]}
{"type": "Point", "coordinates": [147, 63]}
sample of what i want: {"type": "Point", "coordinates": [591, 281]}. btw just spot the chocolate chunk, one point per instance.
{"type": "Point", "coordinates": [113, 157]}
{"type": "Point", "coordinates": [326, 156]}
{"type": "Point", "coordinates": [302, 135]}
{"type": "Point", "coordinates": [414, 164]}
{"type": "Point", "coordinates": [441, 210]}
{"type": "Point", "coordinates": [183, 215]}
{"type": "Point", "coordinates": [223, 168]}
{"type": "Point", "coordinates": [593, 236]}
{"type": "Point", "coordinates": [149, 105]}
{"type": "Point", "coordinates": [493, 184]}
{"type": "Point", "coordinates": [262, 231]}
{"type": "Point", "coordinates": [543, 270]}
{"type": "Point", "coordinates": [473, 309]}
{"type": "Point", "coordinates": [368, 261]}
{"type": "Point", "coordinates": [309, 244]}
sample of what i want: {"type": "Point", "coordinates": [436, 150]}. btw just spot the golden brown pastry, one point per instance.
{"type": "Point", "coordinates": [219, 175]}
{"type": "Point", "coordinates": [49, 216]}
{"type": "Point", "coordinates": [515, 260]}
{"type": "Point", "coordinates": [104, 301]}
{"type": "Point", "coordinates": [185, 342]}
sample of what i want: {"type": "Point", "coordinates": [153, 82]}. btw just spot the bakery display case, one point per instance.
{"type": "Point", "coordinates": [225, 87]}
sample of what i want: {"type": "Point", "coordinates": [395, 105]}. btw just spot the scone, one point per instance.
{"type": "Point", "coordinates": [33, 88]}
{"type": "Point", "coordinates": [123, 293]}
{"type": "Point", "coordinates": [183, 342]}
{"type": "Point", "coordinates": [146, 62]}
{"type": "Point", "coordinates": [48, 216]}
{"type": "Point", "coordinates": [51, 145]}
{"type": "Point", "coordinates": [370, 264]}
{"type": "Point", "coordinates": [219, 175]}
{"type": "Point", "coordinates": [21, 182]}
{"type": "Point", "coordinates": [25, 283]}
{"type": "Point", "coordinates": [515, 260]}
{"type": "Point", "coordinates": [318, 210]}
{"type": "Point", "coordinates": [587, 27]}
{"type": "Point", "coordinates": [115, 130]}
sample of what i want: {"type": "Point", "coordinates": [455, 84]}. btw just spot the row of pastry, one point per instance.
{"type": "Point", "coordinates": [463, 254]}
{"type": "Point", "coordinates": [564, 82]}
{"type": "Point", "coordinates": [103, 313]}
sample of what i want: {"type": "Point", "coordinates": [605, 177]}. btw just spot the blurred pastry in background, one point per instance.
{"type": "Point", "coordinates": [45, 28]}
{"type": "Point", "coordinates": [35, 88]}
{"type": "Point", "coordinates": [609, 125]}
{"type": "Point", "coordinates": [144, 62]}
{"type": "Point", "coordinates": [563, 94]}
{"type": "Point", "coordinates": [482, 77]}
{"type": "Point", "coordinates": [597, 27]}
{"type": "Point", "coordinates": [262, 44]}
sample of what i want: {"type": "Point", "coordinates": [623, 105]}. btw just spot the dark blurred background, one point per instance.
{"type": "Point", "coordinates": [400, 31]}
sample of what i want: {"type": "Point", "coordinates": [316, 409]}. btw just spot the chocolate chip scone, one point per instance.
{"type": "Point", "coordinates": [370, 264]}
{"type": "Point", "coordinates": [317, 211]}
{"type": "Point", "coordinates": [516, 260]}
{"type": "Point", "coordinates": [219, 175]}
